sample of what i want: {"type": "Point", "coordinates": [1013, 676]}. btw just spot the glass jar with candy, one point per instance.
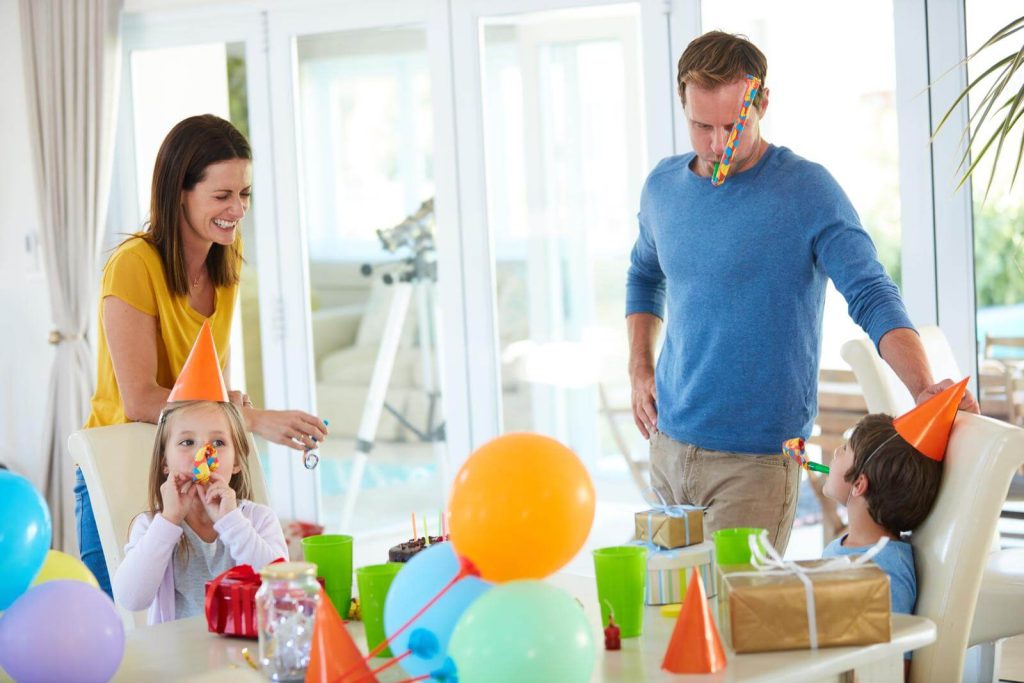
{"type": "Point", "coordinates": [285, 613]}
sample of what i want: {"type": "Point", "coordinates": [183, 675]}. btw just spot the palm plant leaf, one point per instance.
{"type": "Point", "coordinates": [1004, 70]}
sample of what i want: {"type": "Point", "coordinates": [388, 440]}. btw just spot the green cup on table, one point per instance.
{"type": "Point", "coordinates": [373, 582]}
{"type": "Point", "coordinates": [732, 546]}
{"type": "Point", "coordinates": [621, 573]}
{"type": "Point", "coordinates": [332, 555]}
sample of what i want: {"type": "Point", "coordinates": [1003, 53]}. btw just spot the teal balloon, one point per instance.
{"type": "Point", "coordinates": [523, 631]}
{"type": "Point", "coordinates": [25, 534]}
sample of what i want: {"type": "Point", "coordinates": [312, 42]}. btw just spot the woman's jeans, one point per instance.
{"type": "Point", "coordinates": [88, 537]}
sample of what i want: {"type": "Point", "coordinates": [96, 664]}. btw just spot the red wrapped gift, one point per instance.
{"type": "Point", "coordinates": [231, 602]}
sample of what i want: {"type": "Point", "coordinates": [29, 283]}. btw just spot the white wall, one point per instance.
{"type": "Point", "coordinates": [25, 355]}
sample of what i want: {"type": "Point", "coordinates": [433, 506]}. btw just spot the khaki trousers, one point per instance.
{"type": "Point", "coordinates": [739, 490]}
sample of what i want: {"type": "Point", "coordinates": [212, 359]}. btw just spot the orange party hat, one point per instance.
{"type": "Point", "coordinates": [926, 427]}
{"type": "Point", "coordinates": [201, 378]}
{"type": "Point", "coordinates": [334, 656]}
{"type": "Point", "coordinates": [694, 647]}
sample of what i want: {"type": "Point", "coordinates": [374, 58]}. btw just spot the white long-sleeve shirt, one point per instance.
{"type": "Point", "coordinates": [251, 532]}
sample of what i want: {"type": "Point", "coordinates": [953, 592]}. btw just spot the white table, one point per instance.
{"type": "Point", "coordinates": [184, 650]}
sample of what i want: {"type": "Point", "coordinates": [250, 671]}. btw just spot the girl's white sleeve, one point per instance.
{"type": "Point", "coordinates": [149, 551]}
{"type": "Point", "coordinates": [255, 539]}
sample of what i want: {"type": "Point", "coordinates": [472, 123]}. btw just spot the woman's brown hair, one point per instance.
{"type": "Point", "coordinates": [191, 146]}
{"type": "Point", "coordinates": [718, 58]}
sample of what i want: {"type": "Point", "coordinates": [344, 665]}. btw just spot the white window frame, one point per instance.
{"type": "Point", "coordinates": [938, 225]}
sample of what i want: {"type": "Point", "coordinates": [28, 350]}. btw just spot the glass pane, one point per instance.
{"type": "Point", "coordinates": [855, 137]}
{"type": "Point", "coordinates": [998, 242]}
{"type": "Point", "coordinates": [998, 246]}
{"type": "Point", "coordinates": [565, 158]}
{"type": "Point", "coordinates": [171, 84]}
{"type": "Point", "coordinates": [366, 144]}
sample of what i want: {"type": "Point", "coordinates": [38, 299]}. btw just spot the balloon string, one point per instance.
{"type": "Point", "coordinates": [413, 680]}
{"type": "Point", "coordinates": [466, 568]}
{"type": "Point", "coordinates": [372, 675]}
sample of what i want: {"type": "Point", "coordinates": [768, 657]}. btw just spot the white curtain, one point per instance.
{"type": "Point", "coordinates": [71, 55]}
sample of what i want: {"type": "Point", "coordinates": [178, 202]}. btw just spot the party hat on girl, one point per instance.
{"type": "Point", "coordinates": [926, 427]}
{"type": "Point", "coordinates": [201, 378]}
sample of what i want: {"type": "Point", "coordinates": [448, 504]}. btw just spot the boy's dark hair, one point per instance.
{"type": "Point", "coordinates": [902, 483]}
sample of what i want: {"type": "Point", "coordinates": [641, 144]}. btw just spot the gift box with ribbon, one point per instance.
{"type": "Point", "coordinates": [669, 526]}
{"type": "Point", "coordinates": [669, 570]}
{"type": "Point", "coordinates": [778, 605]}
{"type": "Point", "coordinates": [231, 602]}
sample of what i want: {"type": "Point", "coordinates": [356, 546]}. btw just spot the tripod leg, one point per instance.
{"type": "Point", "coordinates": [375, 397]}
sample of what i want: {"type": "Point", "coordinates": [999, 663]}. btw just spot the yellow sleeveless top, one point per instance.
{"type": "Point", "coordinates": [135, 275]}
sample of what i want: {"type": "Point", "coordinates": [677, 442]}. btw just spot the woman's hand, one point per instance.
{"type": "Point", "coordinates": [292, 428]}
{"type": "Point", "coordinates": [218, 497]}
{"type": "Point", "coordinates": [178, 493]}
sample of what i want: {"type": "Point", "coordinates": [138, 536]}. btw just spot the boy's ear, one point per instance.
{"type": "Point", "coordinates": [860, 484]}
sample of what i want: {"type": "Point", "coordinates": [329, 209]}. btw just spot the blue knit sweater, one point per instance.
{"type": "Point", "coordinates": [742, 270]}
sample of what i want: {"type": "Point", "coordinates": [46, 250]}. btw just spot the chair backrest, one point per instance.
{"type": "Point", "coordinates": [115, 463]}
{"type": "Point", "coordinates": [883, 390]}
{"type": "Point", "coordinates": [952, 546]}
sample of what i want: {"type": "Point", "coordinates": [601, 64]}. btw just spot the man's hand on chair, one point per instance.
{"type": "Point", "coordinates": [967, 403]}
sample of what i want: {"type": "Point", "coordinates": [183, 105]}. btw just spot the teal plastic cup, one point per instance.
{"type": "Point", "coordinates": [732, 546]}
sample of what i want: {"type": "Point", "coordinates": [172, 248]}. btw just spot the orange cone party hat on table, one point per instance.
{"type": "Point", "coordinates": [926, 427]}
{"type": "Point", "coordinates": [694, 647]}
{"type": "Point", "coordinates": [201, 378]}
{"type": "Point", "coordinates": [334, 656]}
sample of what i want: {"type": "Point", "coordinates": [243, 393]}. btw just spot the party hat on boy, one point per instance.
{"type": "Point", "coordinates": [694, 647]}
{"type": "Point", "coordinates": [926, 427]}
{"type": "Point", "coordinates": [201, 378]}
{"type": "Point", "coordinates": [334, 656]}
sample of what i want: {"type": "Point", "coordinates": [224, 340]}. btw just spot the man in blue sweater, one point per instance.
{"type": "Point", "coordinates": [741, 269]}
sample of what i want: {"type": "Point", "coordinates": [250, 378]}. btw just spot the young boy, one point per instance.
{"type": "Point", "coordinates": [888, 487]}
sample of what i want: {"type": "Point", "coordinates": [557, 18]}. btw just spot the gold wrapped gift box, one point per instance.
{"type": "Point", "coordinates": [670, 532]}
{"type": "Point", "coordinates": [767, 610]}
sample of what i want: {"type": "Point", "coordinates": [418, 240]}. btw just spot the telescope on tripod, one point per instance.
{"type": "Point", "coordinates": [414, 274]}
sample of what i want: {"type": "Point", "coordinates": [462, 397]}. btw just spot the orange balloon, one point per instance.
{"type": "Point", "coordinates": [521, 507]}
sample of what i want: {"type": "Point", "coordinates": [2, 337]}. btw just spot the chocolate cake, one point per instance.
{"type": "Point", "coordinates": [404, 551]}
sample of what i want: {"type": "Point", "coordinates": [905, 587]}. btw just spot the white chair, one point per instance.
{"type": "Point", "coordinates": [115, 462]}
{"type": "Point", "coordinates": [1000, 602]}
{"type": "Point", "coordinates": [952, 547]}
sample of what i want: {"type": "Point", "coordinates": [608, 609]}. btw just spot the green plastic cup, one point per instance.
{"type": "Point", "coordinates": [732, 546]}
{"type": "Point", "coordinates": [374, 581]}
{"type": "Point", "coordinates": [621, 578]}
{"type": "Point", "coordinates": [332, 555]}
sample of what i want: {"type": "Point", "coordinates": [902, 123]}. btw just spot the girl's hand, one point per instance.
{"type": "Point", "coordinates": [178, 494]}
{"type": "Point", "coordinates": [292, 428]}
{"type": "Point", "coordinates": [218, 496]}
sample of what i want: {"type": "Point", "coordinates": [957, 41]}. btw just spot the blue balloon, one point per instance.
{"type": "Point", "coordinates": [417, 583]}
{"type": "Point", "coordinates": [25, 534]}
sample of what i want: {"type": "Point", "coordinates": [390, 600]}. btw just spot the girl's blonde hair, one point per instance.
{"type": "Point", "coordinates": [239, 481]}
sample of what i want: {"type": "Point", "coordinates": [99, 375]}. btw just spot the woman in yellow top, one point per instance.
{"type": "Point", "coordinates": [160, 285]}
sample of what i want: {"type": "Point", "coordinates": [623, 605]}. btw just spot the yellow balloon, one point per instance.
{"type": "Point", "coordinates": [61, 566]}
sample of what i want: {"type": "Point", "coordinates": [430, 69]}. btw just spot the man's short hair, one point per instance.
{"type": "Point", "coordinates": [902, 483]}
{"type": "Point", "coordinates": [718, 58]}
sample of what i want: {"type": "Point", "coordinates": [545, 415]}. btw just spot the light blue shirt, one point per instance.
{"type": "Point", "coordinates": [741, 270]}
{"type": "Point", "coordinates": [896, 560]}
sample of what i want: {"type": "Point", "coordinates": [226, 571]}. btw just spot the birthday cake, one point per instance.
{"type": "Point", "coordinates": [403, 552]}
